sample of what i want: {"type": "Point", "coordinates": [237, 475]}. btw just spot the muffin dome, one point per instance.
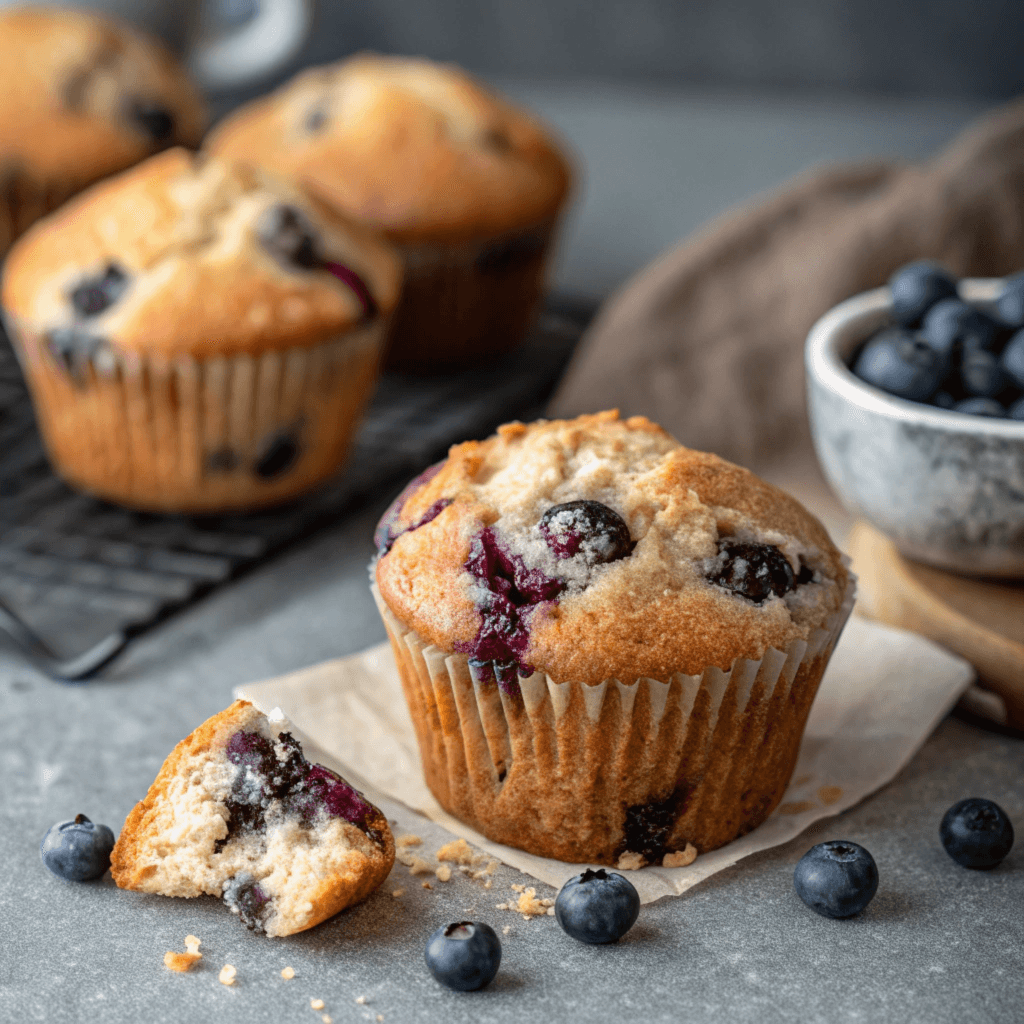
{"type": "Point", "coordinates": [597, 548]}
{"type": "Point", "coordinates": [415, 148]}
{"type": "Point", "coordinates": [82, 97]}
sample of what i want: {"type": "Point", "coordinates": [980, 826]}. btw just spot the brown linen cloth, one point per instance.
{"type": "Point", "coordinates": [708, 339]}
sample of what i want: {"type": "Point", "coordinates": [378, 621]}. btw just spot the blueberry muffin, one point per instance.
{"type": "Point", "coordinates": [197, 336]}
{"type": "Point", "coordinates": [82, 97]}
{"type": "Point", "coordinates": [238, 812]}
{"type": "Point", "coordinates": [466, 185]}
{"type": "Point", "coordinates": [609, 643]}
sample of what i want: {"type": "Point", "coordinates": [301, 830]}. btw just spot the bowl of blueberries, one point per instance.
{"type": "Point", "coordinates": [916, 400]}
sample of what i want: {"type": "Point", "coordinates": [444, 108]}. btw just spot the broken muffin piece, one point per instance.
{"type": "Point", "coordinates": [238, 812]}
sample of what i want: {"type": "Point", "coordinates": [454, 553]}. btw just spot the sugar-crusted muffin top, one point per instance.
{"type": "Point", "coordinates": [416, 148]}
{"type": "Point", "coordinates": [186, 253]}
{"type": "Point", "coordinates": [83, 96]}
{"type": "Point", "coordinates": [599, 547]}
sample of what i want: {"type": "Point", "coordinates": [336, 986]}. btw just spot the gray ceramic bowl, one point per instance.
{"type": "Point", "coordinates": [947, 488]}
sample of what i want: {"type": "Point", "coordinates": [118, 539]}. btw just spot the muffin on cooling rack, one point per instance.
{"type": "Point", "coordinates": [237, 811]}
{"type": "Point", "coordinates": [468, 186]}
{"type": "Point", "coordinates": [197, 336]}
{"type": "Point", "coordinates": [609, 643]}
{"type": "Point", "coordinates": [81, 97]}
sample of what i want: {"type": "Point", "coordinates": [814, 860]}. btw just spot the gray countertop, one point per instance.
{"type": "Point", "coordinates": [938, 943]}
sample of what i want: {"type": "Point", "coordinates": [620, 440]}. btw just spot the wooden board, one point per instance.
{"type": "Point", "coordinates": [981, 620]}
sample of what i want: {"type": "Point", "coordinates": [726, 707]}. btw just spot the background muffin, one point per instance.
{"type": "Point", "coordinates": [466, 185]}
{"type": "Point", "coordinates": [609, 642]}
{"type": "Point", "coordinates": [81, 97]}
{"type": "Point", "coordinates": [198, 336]}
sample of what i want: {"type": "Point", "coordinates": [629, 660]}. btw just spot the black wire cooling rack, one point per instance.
{"type": "Point", "coordinates": [79, 577]}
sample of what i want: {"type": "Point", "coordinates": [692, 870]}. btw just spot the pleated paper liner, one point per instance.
{"type": "Point", "coordinates": [618, 770]}
{"type": "Point", "coordinates": [184, 434]}
{"type": "Point", "coordinates": [463, 302]}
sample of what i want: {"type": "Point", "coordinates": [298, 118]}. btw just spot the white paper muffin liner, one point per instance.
{"type": "Point", "coordinates": [588, 773]}
{"type": "Point", "coordinates": [186, 434]}
{"type": "Point", "coordinates": [459, 303]}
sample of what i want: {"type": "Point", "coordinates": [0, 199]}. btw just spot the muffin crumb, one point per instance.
{"type": "Point", "coordinates": [316, 1004]}
{"type": "Point", "coordinates": [409, 840]}
{"type": "Point", "coordinates": [227, 975]}
{"type": "Point", "coordinates": [529, 906]}
{"type": "Point", "coordinates": [681, 858]}
{"type": "Point", "coordinates": [443, 872]}
{"type": "Point", "coordinates": [506, 929]}
{"type": "Point", "coordinates": [288, 973]}
{"type": "Point", "coordinates": [361, 1000]}
{"type": "Point", "coordinates": [427, 885]}
{"type": "Point", "coordinates": [397, 892]}
{"type": "Point", "coordinates": [630, 861]}
{"type": "Point", "coordinates": [459, 852]}
{"type": "Point", "coordinates": [327, 1019]}
{"type": "Point", "coordinates": [182, 962]}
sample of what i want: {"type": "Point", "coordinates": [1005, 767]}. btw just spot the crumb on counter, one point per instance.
{"type": "Point", "coordinates": [427, 885]}
{"type": "Point", "coordinates": [227, 975]}
{"type": "Point", "coordinates": [326, 1018]}
{"type": "Point", "coordinates": [528, 905]}
{"type": "Point", "coordinates": [182, 962]}
{"type": "Point", "coordinates": [403, 841]}
{"type": "Point", "coordinates": [361, 1000]}
{"type": "Point", "coordinates": [443, 872]}
{"type": "Point", "coordinates": [416, 865]}
{"type": "Point", "coordinates": [288, 973]}
{"type": "Point", "coordinates": [458, 852]}
{"type": "Point", "coordinates": [316, 1004]}
{"type": "Point", "coordinates": [630, 861]}
{"type": "Point", "coordinates": [397, 892]}
{"type": "Point", "coordinates": [681, 858]}
{"type": "Point", "coordinates": [506, 929]}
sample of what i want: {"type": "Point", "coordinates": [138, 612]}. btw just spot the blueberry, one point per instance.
{"type": "Point", "coordinates": [916, 288]}
{"type": "Point", "coordinates": [952, 324]}
{"type": "Point", "coordinates": [243, 896]}
{"type": "Point", "coordinates": [981, 374]}
{"type": "Point", "coordinates": [1012, 359]}
{"type": "Point", "coordinates": [289, 237]}
{"type": "Point", "coordinates": [980, 407]}
{"type": "Point", "coordinates": [464, 956]}
{"type": "Point", "coordinates": [74, 348]}
{"type": "Point", "coordinates": [156, 121]}
{"type": "Point", "coordinates": [279, 454]}
{"type": "Point", "coordinates": [1016, 411]}
{"type": "Point", "coordinates": [77, 850]}
{"type": "Point", "coordinates": [976, 833]}
{"type": "Point", "coordinates": [597, 906]}
{"type": "Point", "coordinates": [316, 120]}
{"type": "Point", "coordinates": [901, 363]}
{"type": "Point", "coordinates": [588, 526]}
{"type": "Point", "coordinates": [754, 571]}
{"type": "Point", "coordinates": [836, 879]}
{"type": "Point", "coordinates": [1010, 304]}
{"type": "Point", "coordinates": [94, 295]}
{"type": "Point", "coordinates": [943, 399]}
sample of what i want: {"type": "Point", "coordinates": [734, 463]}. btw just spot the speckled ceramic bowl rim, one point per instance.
{"type": "Point", "coordinates": [832, 338]}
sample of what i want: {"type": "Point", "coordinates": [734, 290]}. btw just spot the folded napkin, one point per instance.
{"type": "Point", "coordinates": [882, 695]}
{"type": "Point", "coordinates": [708, 339]}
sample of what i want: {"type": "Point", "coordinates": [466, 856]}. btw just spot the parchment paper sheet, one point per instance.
{"type": "Point", "coordinates": [885, 690]}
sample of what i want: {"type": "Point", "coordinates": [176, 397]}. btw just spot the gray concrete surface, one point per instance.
{"type": "Point", "coordinates": [938, 943]}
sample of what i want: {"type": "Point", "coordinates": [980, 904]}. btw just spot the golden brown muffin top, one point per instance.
{"type": "Point", "coordinates": [186, 253]}
{"type": "Point", "coordinates": [418, 149]}
{"type": "Point", "coordinates": [717, 564]}
{"type": "Point", "coordinates": [83, 96]}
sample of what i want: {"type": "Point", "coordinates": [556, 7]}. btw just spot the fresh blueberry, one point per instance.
{"type": "Point", "coordinates": [588, 526]}
{"type": "Point", "coordinates": [916, 288]}
{"type": "Point", "coordinates": [1010, 304]}
{"type": "Point", "coordinates": [953, 324]}
{"type": "Point", "coordinates": [597, 906]}
{"type": "Point", "coordinates": [836, 879]}
{"type": "Point", "coordinates": [1012, 359]}
{"type": "Point", "coordinates": [981, 374]}
{"type": "Point", "coordinates": [754, 571]}
{"type": "Point", "coordinates": [943, 399]}
{"type": "Point", "coordinates": [976, 833]}
{"type": "Point", "coordinates": [96, 294]}
{"type": "Point", "coordinates": [980, 407]}
{"type": "Point", "coordinates": [464, 956]}
{"type": "Point", "coordinates": [287, 234]}
{"type": "Point", "coordinates": [1016, 411]}
{"type": "Point", "coordinates": [902, 364]}
{"type": "Point", "coordinates": [156, 121]}
{"type": "Point", "coordinates": [77, 850]}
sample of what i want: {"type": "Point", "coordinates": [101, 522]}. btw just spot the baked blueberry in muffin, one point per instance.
{"type": "Point", "coordinates": [643, 628]}
{"type": "Point", "coordinates": [237, 811]}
